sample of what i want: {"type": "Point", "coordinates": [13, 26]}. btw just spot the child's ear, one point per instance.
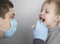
{"type": "Point", "coordinates": [58, 18]}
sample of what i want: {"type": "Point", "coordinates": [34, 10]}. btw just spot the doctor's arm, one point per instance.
{"type": "Point", "coordinates": [40, 33]}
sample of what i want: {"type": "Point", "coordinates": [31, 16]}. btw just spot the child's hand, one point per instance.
{"type": "Point", "coordinates": [40, 31]}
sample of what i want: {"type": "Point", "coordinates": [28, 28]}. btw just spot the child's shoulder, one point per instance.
{"type": "Point", "coordinates": [56, 31]}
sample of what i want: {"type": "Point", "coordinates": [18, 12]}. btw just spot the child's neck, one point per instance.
{"type": "Point", "coordinates": [53, 25]}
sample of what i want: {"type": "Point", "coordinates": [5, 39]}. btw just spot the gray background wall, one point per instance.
{"type": "Point", "coordinates": [27, 12]}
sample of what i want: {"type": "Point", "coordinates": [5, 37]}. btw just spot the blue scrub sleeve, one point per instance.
{"type": "Point", "coordinates": [40, 31]}
{"type": "Point", "coordinates": [12, 29]}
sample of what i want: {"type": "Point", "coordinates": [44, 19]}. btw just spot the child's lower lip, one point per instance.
{"type": "Point", "coordinates": [43, 20]}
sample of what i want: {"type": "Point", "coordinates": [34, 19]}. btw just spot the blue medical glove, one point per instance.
{"type": "Point", "coordinates": [12, 29]}
{"type": "Point", "coordinates": [40, 31]}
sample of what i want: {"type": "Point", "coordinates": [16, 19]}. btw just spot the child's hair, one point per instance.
{"type": "Point", "coordinates": [57, 4]}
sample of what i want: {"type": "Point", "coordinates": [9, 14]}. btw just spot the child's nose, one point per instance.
{"type": "Point", "coordinates": [42, 13]}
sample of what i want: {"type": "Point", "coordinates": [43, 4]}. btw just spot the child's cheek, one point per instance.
{"type": "Point", "coordinates": [47, 20]}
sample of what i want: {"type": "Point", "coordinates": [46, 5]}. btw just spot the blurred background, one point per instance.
{"type": "Point", "coordinates": [26, 13]}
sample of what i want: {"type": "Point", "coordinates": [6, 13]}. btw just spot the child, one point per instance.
{"type": "Point", "coordinates": [50, 16]}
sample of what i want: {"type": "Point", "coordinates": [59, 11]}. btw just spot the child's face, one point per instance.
{"type": "Point", "coordinates": [47, 14]}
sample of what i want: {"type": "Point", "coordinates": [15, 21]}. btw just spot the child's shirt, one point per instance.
{"type": "Point", "coordinates": [53, 36]}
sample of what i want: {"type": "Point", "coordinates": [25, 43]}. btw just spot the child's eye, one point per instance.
{"type": "Point", "coordinates": [41, 10]}
{"type": "Point", "coordinates": [46, 12]}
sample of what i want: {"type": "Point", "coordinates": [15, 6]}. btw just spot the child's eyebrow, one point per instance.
{"type": "Point", "coordinates": [46, 9]}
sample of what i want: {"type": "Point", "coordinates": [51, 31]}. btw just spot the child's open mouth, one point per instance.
{"type": "Point", "coordinates": [42, 19]}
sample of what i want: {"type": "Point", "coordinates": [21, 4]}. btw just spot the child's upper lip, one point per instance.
{"type": "Point", "coordinates": [42, 18]}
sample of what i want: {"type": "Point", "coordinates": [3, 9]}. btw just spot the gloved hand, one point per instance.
{"type": "Point", "coordinates": [12, 29]}
{"type": "Point", "coordinates": [40, 31]}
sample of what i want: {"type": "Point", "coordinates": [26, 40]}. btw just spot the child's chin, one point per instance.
{"type": "Point", "coordinates": [45, 23]}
